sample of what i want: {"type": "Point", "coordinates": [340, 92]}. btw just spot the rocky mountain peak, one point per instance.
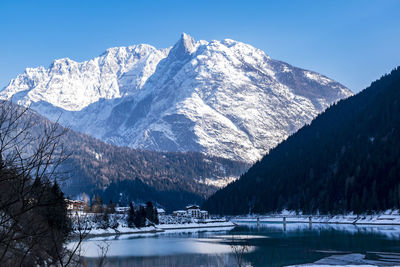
{"type": "Point", "coordinates": [222, 98]}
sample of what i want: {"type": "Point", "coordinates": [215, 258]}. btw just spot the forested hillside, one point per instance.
{"type": "Point", "coordinates": [347, 159]}
{"type": "Point", "coordinates": [94, 164]}
{"type": "Point", "coordinates": [170, 179]}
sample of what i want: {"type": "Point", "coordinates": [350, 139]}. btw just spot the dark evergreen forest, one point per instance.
{"type": "Point", "coordinates": [95, 165]}
{"type": "Point", "coordinates": [347, 159]}
{"type": "Point", "coordinates": [125, 192]}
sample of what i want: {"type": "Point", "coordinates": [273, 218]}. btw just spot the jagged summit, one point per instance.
{"type": "Point", "coordinates": [72, 85]}
{"type": "Point", "coordinates": [187, 42]}
{"type": "Point", "coordinates": [223, 98]}
{"type": "Point", "coordinates": [185, 46]}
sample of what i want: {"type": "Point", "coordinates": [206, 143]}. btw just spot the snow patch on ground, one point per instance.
{"type": "Point", "coordinates": [219, 182]}
{"type": "Point", "coordinates": [389, 217]}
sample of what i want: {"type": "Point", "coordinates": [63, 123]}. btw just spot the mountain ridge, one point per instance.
{"type": "Point", "coordinates": [222, 98]}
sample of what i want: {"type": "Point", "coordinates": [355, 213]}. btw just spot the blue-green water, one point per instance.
{"type": "Point", "coordinates": [267, 245]}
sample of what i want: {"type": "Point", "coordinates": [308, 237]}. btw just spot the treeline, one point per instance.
{"type": "Point", "coordinates": [125, 192]}
{"type": "Point", "coordinates": [34, 223]}
{"type": "Point", "coordinates": [142, 216]}
{"type": "Point", "coordinates": [347, 159]}
{"type": "Point", "coordinates": [136, 216]}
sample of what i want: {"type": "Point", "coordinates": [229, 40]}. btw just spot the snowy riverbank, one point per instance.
{"type": "Point", "coordinates": [200, 226]}
{"type": "Point", "coordinates": [385, 218]}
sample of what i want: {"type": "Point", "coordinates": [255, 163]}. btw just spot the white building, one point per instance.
{"type": "Point", "coordinates": [204, 214]}
{"type": "Point", "coordinates": [121, 209]}
{"type": "Point", "coordinates": [192, 211]}
{"type": "Point", "coordinates": [180, 213]}
{"type": "Point", "coordinates": [160, 211]}
{"type": "Point", "coordinates": [75, 205]}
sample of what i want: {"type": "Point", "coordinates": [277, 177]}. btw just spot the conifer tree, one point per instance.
{"type": "Point", "coordinates": [131, 215]}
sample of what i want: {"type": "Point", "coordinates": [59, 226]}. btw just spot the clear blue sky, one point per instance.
{"type": "Point", "coordinates": [353, 42]}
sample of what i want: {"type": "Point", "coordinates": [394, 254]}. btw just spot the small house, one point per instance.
{"type": "Point", "coordinates": [160, 212]}
{"type": "Point", "coordinates": [75, 205]}
{"type": "Point", "coordinates": [179, 213]}
{"type": "Point", "coordinates": [121, 210]}
{"type": "Point", "coordinates": [204, 214]}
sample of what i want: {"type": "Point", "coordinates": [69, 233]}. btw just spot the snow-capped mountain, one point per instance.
{"type": "Point", "coordinates": [73, 86]}
{"type": "Point", "coordinates": [223, 98]}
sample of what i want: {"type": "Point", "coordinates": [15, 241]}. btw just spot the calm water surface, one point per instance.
{"type": "Point", "coordinates": [267, 245]}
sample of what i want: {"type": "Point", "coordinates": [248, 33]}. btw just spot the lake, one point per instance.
{"type": "Point", "coordinates": [267, 245]}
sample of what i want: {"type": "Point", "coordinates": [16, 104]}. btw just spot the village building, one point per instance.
{"type": "Point", "coordinates": [160, 212]}
{"type": "Point", "coordinates": [180, 213]}
{"type": "Point", "coordinates": [75, 205]}
{"type": "Point", "coordinates": [121, 209]}
{"type": "Point", "coordinates": [192, 211]}
{"type": "Point", "coordinates": [204, 214]}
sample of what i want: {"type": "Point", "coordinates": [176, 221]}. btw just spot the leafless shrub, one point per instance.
{"type": "Point", "coordinates": [30, 157]}
{"type": "Point", "coordinates": [239, 247]}
{"type": "Point", "coordinates": [103, 249]}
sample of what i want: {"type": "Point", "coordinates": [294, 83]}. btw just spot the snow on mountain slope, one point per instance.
{"type": "Point", "coordinates": [223, 98]}
{"type": "Point", "coordinates": [72, 86]}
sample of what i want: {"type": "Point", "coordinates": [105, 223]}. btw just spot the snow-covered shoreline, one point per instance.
{"type": "Point", "coordinates": [385, 218]}
{"type": "Point", "coordinates": [213, 224]}
{"type": "Point", "coordinates": [161, 228]}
